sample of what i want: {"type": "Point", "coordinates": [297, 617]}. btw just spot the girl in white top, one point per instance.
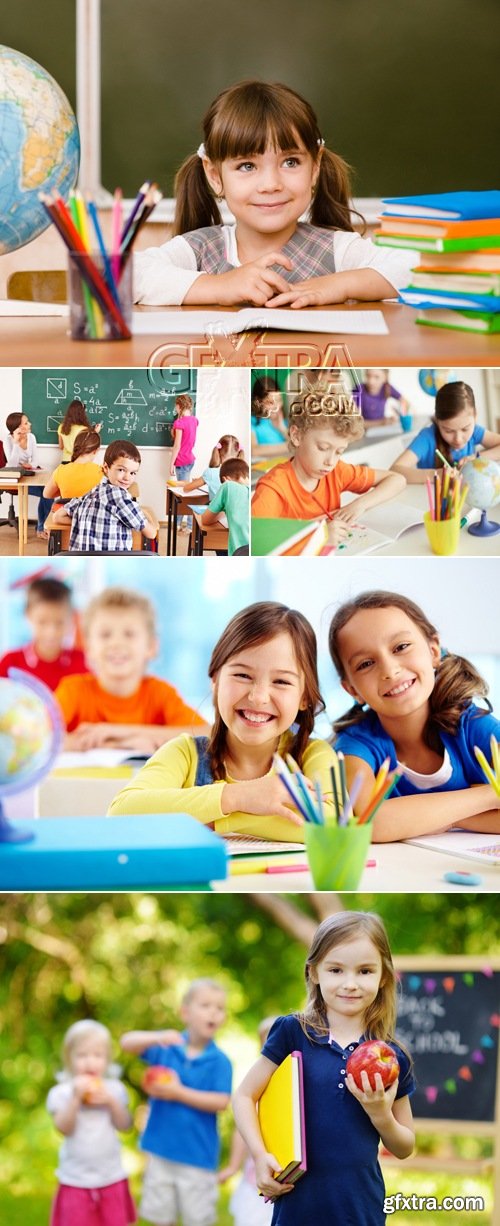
{"type": "Point", "coordinates": [264, 154]}
{"type": "Point", "coordinates": [88, 1106]}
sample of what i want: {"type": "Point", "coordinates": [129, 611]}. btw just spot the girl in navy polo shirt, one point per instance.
{"type": "Point", "coordinates": [351, 996]}
{"type": "Point", "coordinates": [453, 431]}
{"type": "Point", "coordinates": [414, 704]}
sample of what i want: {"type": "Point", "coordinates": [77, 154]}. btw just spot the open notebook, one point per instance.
{"type": "Point", "coordinates": [217, 322]}
{"type": "Point", "coordinates": [466, 843]}
{"type": "Point", "coordinates": [281, 1119]}
{"type": "Point", "coordinates": [381, 526]}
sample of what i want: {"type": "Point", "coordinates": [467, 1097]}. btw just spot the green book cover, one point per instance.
{"type": "Point", "coordinates": [268, 534]}
{"type": "Point", "coordinates": [461, 321]}
{"type": "Point", "coordinates": [439, 244]}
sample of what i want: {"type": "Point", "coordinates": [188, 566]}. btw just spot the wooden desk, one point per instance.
{"type": "Point", "coordinates": [179, 503]}
{"type": "Point", "coordinates": [44, 341]}
{"type": "Point", "coordinates": [59, 533]}
{"type": "Point", "coordinates": [214, 537]}
{"type": "Point", "coordinates": [21, 487]}
{"type": "Point", "coordinates": [401, 869]}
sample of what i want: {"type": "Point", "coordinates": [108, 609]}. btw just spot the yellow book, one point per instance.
{"type": "Point", "coordinates": [281, 1119]}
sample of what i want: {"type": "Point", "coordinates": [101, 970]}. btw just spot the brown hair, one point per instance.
{"type": "Point", "coordinates": [246, 119]}
{"type": "Point", "coordinates": [380, 1018]}
{"type": "Point", "coordinates": [234, 470]}
{"type": "Point", "coordinates": [228, 448]}
{"type": "Point", "coordinates": [184, 403]}
{"type": "Point", "coordinates": [123, 599]}
{"type": "Point", "coordinates": [257, 624]}
{"type": "Point", "coordinates": [457, 681]}
{"type": "Point", "coordinates": [451, 399]}
{"type": "Point", "coordinates": [335, 409]}
{"type": "Point", "coordinates": [87, 442]}
{"type": "Point", "coordinates": [75, 415]}
{"type": "Point", "coordinates": [121, 447]}
{"type": "Point", "coordinates": [47, 591]}
{"type": "Point", "coordinates": [263, 387]}
{"type": "Point", "coordinates": [13, 421]}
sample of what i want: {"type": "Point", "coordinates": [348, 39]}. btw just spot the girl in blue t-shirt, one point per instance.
{"type": "Point", "coordinates": [453, 431]}
{"type": "Point", "coordinates": [413, 705]}
{"type": "Point", "coordinates": [351, 997]}
{"type": "Point", "coordinates": [268, 422]}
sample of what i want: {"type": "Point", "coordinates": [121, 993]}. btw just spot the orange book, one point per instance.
{"type": "Point", "coordinates": [430, 227]}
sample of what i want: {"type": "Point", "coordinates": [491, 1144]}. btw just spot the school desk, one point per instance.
{"type": "Point", "coordinates": [400, 869]}
{"type": "Point", "coordinates": [213, 537]}
{"type": "Point", "coordinates": [170, 850]}
{"type": "Point", "coordinates": [59, 533]}
{"type": "Point", "coordinates": [178, 503]}
{"type": "Point", "coordinates": [44, 341]}
{"type": "Point", "coordinates": [21, 487]}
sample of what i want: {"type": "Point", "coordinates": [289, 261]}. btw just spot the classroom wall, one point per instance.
{"type": "Point", "coordinates": [222, 407]}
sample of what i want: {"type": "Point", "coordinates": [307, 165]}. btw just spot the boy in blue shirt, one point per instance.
{"type": "Point", "coordinates": [181, 1135]}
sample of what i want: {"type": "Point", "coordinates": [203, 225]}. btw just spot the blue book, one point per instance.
{"type": "Point", "coordinates": [489, 303]}
{"type": "Point", "coordinates": [448, 206]}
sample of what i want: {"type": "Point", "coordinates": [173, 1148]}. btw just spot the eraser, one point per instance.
{"type": "Point", "coordinates": [461, 877]}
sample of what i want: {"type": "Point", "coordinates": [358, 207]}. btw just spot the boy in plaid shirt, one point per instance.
{"type": "Point", "coordinates": [104, 518]}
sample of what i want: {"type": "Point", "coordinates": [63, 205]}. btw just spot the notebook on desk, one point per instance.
{"type": "Point", "coordinates": [484, 848]}
{"type": "Point", "coordinates": [381, 526]}
{"type": "Point", "coordinates": [217, 322]}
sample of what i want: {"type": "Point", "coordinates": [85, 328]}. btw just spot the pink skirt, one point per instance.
{"type": "Point", "coordinates": [109, 1206]}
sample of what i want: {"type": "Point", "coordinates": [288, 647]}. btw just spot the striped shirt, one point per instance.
{"type": "Point", "coordinates": [103, 519]}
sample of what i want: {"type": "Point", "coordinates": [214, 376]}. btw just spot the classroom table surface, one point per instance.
{"type": "Point", "coordinates": [44, 341]}
{"type": "Point", "coordinates": [400, 869]}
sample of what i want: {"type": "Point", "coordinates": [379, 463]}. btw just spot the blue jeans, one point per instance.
{"type": "Point", "coordinates": [44, 506]}
{"type": "Point", "coordinates": [183, 473]}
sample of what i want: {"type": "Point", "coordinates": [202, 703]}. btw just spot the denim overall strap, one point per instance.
{"type": "Point", "coordinates": [203, 770]}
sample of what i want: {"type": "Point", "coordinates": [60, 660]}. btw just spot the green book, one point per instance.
{"type": "Point", "coordinates": [412, 243]}
{"type": "Point", "coordinates": [462, 321]}
{"type": "Point", "coordinates": [270, 535]}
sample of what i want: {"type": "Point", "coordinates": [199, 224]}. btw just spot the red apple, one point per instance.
{"type": "Point", "coordinates": [156, 1075]}
{"type": "Point", "coordinates": [375, 1056]}
{"type": "Point", "coordinates": [93, 1088]}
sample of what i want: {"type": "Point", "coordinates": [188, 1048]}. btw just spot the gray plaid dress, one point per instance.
{"type": "Point", "coordinates": [310, 248]}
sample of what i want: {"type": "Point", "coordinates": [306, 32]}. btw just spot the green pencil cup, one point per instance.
{"type": "Point", "coordinates": [337, 855]}
{"type": "Point", "coordinates": [443, 534]}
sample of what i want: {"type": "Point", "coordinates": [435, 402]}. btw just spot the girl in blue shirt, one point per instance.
{"type": "Point", "coordinates": [269, 426]}
{"type": "Point", "coordinates": [453, 431]}
{"type": "Point", "coordinates": [351, 997]}
{"type": "Point", "coordinates": [414, 705]}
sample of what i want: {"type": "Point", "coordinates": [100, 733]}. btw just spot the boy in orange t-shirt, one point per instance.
{"type": "Point", "coordinates": [310, 484]}
{"type": "Point", "coordinates": [117, 705]}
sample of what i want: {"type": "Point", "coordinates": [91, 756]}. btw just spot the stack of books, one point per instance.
{"type": "Point", "coordinates": [456, 284]}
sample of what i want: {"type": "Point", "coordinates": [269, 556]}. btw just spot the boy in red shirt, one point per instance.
{"type": "Point", "coordinates": [50, 614]}
{"type": "Point", "coordinates": [117, 705]}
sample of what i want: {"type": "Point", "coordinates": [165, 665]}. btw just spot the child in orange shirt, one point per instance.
{"type": "Point", "coordinates": [310, 484]}
{"type": "Point", "coordinates": [117, 705]}
{"type": "Point", "coordinates": [75, 478]}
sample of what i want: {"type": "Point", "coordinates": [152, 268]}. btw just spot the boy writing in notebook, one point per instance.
{"type": "Point", "coordinates": [310, 484]}
{"type": "Point", "coordinates": [50, 615]}
{"type": "Point", "coordinates": [104, 518]}
{"type": "Point", "coordinates": [233, 499]}
{"type": "Point", "coordinates": [116, 704]}
{"type": "Point", "coordinates": [181, 1136]}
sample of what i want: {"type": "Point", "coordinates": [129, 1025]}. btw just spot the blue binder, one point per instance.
{"type": "Point", "coordinates": [157, 851]}
{"type": "Point", "coordinates": [452, 206]}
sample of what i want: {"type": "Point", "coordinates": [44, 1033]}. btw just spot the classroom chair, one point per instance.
{"type": "Point", "coordinates": [242, 552]}
{"type": "Point", "coordinates": [38, 285]}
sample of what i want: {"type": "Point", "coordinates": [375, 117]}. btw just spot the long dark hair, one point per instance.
{"type": "Point", "coordinates": [246, 119]}
{"type": "Point", "coordinates": [87, 442]}
{"type": "Point", "coordinates": [451, 399]}
{"type": "Point", "coordinates": [75, 415]}
{"type": "Point", "coordinates": [257, 624]}
{"type": "Point", "coordinates": [457, 681]}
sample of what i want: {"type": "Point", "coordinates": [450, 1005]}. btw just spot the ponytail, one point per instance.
{"type": "Point", "coordinates": [195, 203]}
{"type": "Point", "coordinates": [331, 204]}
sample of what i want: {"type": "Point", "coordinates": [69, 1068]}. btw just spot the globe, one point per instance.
{"type": "Point", "coordinates": [30, 737]}
{"type": "Point", "coordinates": [39, 147]}
{"type": "Point", "coordinates": [483, 480]}
{"type": "Point", "coordinates": [431, 380]}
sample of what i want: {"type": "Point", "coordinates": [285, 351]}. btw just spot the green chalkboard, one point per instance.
{"type": "Point", "coordinates": [404, 91]}
{"type": "Point", "coordinates": [137, 405]}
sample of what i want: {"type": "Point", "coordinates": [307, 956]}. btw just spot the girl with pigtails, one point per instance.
{"type": "Point", "coordinates": [263, 153]}
{"type": "Point", "coordinates": [415, 705]}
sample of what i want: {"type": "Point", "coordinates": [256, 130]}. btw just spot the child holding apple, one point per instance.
{"type": "Point", "coordinates": [188, 1081]}
{"type": "Point", "coordinates": [89, 1106]}
{"type": "Point", "coordinates": [351, 997]}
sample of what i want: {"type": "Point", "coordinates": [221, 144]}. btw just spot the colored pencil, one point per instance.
{"type": "Point", "coordinates": [116, 225]}
{"type": "Point", "coordinates": [445, 461]}
{"type": "Point", "coordinates": [102, 248]}
{"type": "Point", "coordinates": [284, 775]}
{"type": "Point", "coordinates": [134, 210]}
{"type": "Point", "coordinates": [58, 213]}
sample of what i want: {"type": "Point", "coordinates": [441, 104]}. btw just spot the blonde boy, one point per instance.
{"type": "Point", "coordinates": [310, 484]}
{"type": "Point", "coordinates": [181, 1135]}
{"type": "Point", "coordinates": [117, 704]}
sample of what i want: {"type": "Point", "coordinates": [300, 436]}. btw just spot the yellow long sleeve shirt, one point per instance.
{"type": "Point", "coordinates": [166, 784]}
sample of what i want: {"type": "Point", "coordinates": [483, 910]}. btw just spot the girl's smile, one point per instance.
{"type": "Point", "coordinates": [267, 192]}
{"type": "Point", "coordinates": [259, 691]}
{"type": "Point", "coordinates": [349, 978]}
{"type": "Point", "coordinates": [388, 662]}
